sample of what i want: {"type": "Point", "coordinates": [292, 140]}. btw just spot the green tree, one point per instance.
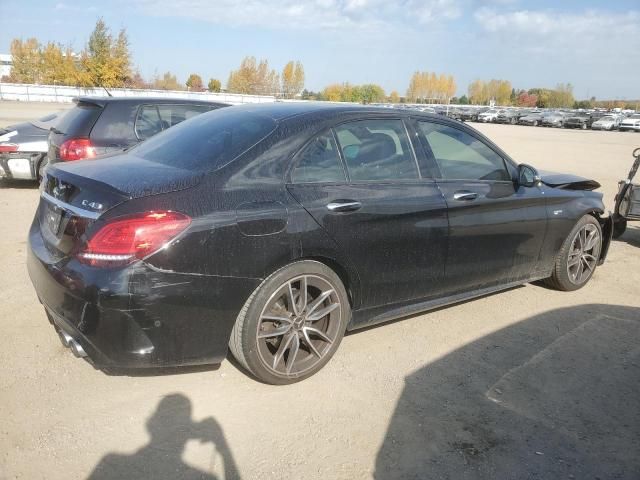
{"type": "Point", "coordinates": [194, 83]}
{"type": "Point", "coordinates": [214, 85]}
{"type": "Point", "coordinates": [463, 100]}
{"type": "Point", "coordinates": [107, 60]}
{"type": "Point", "coordinates": [371, 93]}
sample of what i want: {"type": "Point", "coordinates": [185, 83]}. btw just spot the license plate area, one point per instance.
{"type": "Point", "coordinates": [53, 219]}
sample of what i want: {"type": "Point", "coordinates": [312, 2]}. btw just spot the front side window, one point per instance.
{"type": "Point", "coordinates": [319, 162]}
{"type": "Point", "coordinates": [461, 156]}
{"type": "Point", "coordinates": [377, 150]}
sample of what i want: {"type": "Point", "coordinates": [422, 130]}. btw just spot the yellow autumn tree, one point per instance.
{"type": "Point", "coordinates": [26, 61]}
{"type": "Point", "coordinates": [253, 77]}
{"type": "Point", "coordinates": [292, 79]}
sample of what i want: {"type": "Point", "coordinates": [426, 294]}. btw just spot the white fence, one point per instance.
{"type": "Point", "coordinates": [58, 93]}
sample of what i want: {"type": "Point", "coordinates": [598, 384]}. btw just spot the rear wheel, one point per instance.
{"type": "Point", "coordinates": [292, 324]}
{"type": "Point", "coordinates": [578, 257]}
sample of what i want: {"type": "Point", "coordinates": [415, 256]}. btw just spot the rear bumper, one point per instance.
{"type": "Point", "coordinates": [138, 316]}
{"type": "Point", "coordinates": [20, 165]}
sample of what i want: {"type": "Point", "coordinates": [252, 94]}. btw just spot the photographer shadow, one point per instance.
{"type": "Point", "coordinates": [170, 427]}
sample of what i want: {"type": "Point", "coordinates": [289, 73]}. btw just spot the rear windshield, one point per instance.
{"type": "Point", "coordinates": [208, 141]}
{"type": "Point", "coordinates": [79, 120]}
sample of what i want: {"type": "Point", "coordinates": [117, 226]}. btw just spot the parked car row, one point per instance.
{"type": "Point", "coordinates": [269, 230]}
{"type": "Point", "coordinates": [593, 119]}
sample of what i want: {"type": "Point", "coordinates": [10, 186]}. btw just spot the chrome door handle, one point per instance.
{"type": "Point", "coordinates": [344, 206]}
{"type": "Point", "coordinates": [465, 195]}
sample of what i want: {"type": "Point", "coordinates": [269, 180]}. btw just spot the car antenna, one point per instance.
{"type": "Point", "coordinates": [108, 92]}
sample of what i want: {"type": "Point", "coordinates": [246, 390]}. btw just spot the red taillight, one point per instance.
{"type": "Point", "coordinates": [8, 147]}
{"type": "Point", "coordinates": [77, 149]}
{"type": "Point", "coordinates": [135, 237]}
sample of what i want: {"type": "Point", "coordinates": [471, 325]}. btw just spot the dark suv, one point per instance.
{"type": "Point", "coordinates": [100, 125]}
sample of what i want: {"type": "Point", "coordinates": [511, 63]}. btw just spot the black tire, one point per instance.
{"type": "Point", "coordinates": [268, 359]}
{"type": "Point", "coordinates": [619, 227]}
{"type": "Point", "coordinates": [560, 279]}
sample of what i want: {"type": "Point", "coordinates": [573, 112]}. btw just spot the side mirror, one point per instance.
{"type": "Point", "coordinates": [528, 176]}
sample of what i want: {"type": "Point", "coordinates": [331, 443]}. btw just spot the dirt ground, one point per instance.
{"type": "Point", "coordinates": [528, 383]}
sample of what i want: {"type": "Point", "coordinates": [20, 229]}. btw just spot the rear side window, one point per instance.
{"type": "Point", "coordinates": [79, 120]}
{"type": "Point", "coordinates": [461, 156]}
{"type": "Point", "coordinates": [319, 162]}
{"type": "Point", "coordinates": [148, 122]}
{"type": "Point", "coordinates": [208, 141]}
{"type": "Point", "coordinates": [116, 124]}
{"type": "Point", "coordinates": [377, 150]}
{"type": "Point", "coordinates": [171, 115]}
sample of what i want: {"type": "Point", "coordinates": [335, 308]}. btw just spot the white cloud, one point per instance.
{"type": "Point", "coordinates": [595, 24]}
{"type": "Point", "coordinates": [314, 14]}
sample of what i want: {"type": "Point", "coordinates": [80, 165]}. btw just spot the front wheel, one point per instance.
{"type": "Point", "coordinates": [578, 257]}
{"type": "Point", "coordinates": [292, 324]}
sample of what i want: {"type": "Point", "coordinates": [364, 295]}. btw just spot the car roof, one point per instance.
{"type": "Point", "coordinates": [280, 111]}
{"type": "Point", "coordinates": [102, 101]}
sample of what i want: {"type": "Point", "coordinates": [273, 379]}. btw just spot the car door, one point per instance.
{"type": "Point", "coordinates": [496, 227]}
{"type": "Point", "coordinates": [361, 183]}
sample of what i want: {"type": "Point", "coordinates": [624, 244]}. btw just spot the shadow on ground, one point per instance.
{"type": "Point", "coordinates": [170, 428]}
{"type": "Point", "coordinates": [555, 396]}
{"type": "Point", "coordinates": [19, 184]}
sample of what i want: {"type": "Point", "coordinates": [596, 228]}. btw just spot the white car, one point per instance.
{"type": "Point", "coordinates": [608, 122]}
{"type": "Point", "coordinates": [630, 123]}
{"type": "Point", "coordinates": [489, 116]}
{"type": "Point", "coordinates": [23, 148]}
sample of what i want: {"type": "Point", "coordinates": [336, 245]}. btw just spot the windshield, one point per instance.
{"type": "Point", "coordinates": [208, 141]}
{"type": "Point", "coordinates": [635, 117]}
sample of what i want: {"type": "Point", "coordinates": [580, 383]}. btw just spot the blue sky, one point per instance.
{"type": "Point", "coordinates": [594, 45]}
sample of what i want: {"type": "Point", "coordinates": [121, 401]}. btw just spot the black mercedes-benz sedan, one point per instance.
{"type": "Point", "coordinates": [269, 230]}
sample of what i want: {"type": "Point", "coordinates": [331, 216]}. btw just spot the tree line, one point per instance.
{"type": "Point", "coordinates": [105, 61]}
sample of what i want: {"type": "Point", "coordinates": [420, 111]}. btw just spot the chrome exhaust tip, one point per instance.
{"type": "Point", "coordinates": [68, 341]}
{"type": "Point", "coordinates": [65, 338]}
{"type": "Point", "coordinates": [77, 349]}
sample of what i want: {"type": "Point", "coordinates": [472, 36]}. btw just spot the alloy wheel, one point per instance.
{"type": "Point", "coordinates": [584, 254]}
{"type": "Point", "coordinates": [298, 325]}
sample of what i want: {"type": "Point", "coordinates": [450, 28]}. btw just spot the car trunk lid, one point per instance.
{"type": "Point", "coordinates": [75, 195]}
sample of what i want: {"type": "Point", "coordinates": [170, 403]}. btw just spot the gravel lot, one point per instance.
{"type": "Point", "coordinates": [528, 383]}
